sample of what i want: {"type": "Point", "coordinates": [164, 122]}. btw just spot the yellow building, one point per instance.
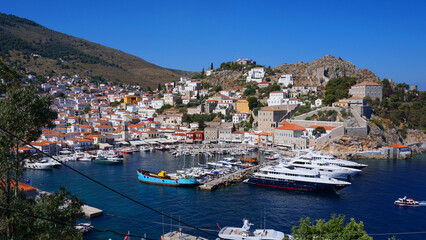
{"type": "Point", "coordinates": [132, 99]}
{"type": "Point", "coordinates": [341, 103]}
{"type": "Point", "coordinates": [242, 106]}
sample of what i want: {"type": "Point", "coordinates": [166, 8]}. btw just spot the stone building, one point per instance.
{"type": "Point", "coordinates": [367, 89]}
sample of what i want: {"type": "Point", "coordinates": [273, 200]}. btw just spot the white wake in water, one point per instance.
{"type": "Point", "coordinates": [422, 203]}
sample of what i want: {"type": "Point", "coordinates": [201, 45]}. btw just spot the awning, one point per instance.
{"type": "Point", "coordinates": [137, 143]}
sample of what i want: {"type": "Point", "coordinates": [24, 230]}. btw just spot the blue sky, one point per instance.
{"type": "Point", "coordinates": [387, 37]}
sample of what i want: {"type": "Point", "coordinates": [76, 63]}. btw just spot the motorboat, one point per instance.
{"type": "Point", "coordinates": [83, 227]}
{"type": "Point", "coordinates": [127, 150]}
{"type": "Point", "coordinates": [406, 202]}
{"type": "Point", "coordinates": [286, 176]}
{"type": "Point", "coordinates": [144, 149]}
{"type": "Point", "coordinates": [107, 160]}
{"type": "Point", "coordinates": [273, 157]}
{"type": "Point", "coordinates": [244, 233]}
{"type": "Point", "coordinates": [86, 157]}
{"type": "Point", "coordinates": [38, 165]}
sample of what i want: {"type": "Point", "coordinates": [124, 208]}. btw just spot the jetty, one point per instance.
{"type": "Point", "coordinates": [91, 212]}
{"type": "Point", "coordinates": [232, 178]}
{"type": "Point", "coordinates": [178, 235]}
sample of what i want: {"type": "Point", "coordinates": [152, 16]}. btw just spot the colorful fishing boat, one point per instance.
{"type": "Point", "coordinates": [168, 180]}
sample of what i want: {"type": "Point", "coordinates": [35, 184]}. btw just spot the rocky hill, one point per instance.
{"type": "Point", "coordinates": [319, 71]}
{"type": "Point", "coordinates": [314, 73]}
{"type": "Point", "coordinates": [378, 137]}
{"type": "Point", "coordinates": [34, 48]}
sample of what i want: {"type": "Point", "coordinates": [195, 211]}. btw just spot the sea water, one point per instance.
{"type": "Point", "coordinates": [370, 198]}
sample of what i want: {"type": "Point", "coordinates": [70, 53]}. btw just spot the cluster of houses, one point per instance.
{"type": "Point", "coordinates": [106, 115]}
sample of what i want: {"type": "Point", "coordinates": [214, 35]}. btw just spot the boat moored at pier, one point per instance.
{"type": "Point", "coordinates": [288, 177]}
{"type": "Point", "coordinates": [164, 179]}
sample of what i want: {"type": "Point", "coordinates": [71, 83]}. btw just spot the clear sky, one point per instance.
{"type": "Point", "coordinates": [387, 37]}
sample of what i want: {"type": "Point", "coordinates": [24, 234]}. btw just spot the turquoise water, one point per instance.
{"type": "Point", "coordinates": [369, 199]}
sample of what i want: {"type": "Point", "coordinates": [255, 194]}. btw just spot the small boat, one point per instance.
{"type": "Point", "coordinates": [244, 233]}
{"type": "Point", "coordinates": [406, 202]}
{"type": "Point", "coordinates": [163, 179]}
{"type": "Point", "coordinates": [160, 148]}
{"type": "Point", "coordinates": [83, 227]}
{"type": "Point", "coordinates": [127, 151]}
{"type": "Point", "coordinates": [38, 165]}
{"type": "Point", "coordinates": [144, 149]}
{"type": "Point", "coordinates": [107, 160]}
{"type": "Point", "coordinates": [86, 158]}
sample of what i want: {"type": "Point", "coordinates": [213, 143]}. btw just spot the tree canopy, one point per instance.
{"type": "Point", "coordinates": [335, 228]}
{"type": "Point", "coordinates": [337, 88]}
{"type": "Point", "coordinates": [24, 112]}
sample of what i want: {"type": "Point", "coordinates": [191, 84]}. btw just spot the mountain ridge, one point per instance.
{"type": "Point", "coordinates": [35, 48]}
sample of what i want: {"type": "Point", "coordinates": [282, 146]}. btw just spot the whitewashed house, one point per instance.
{"type": "Point", "coordinates": [157, 103]}
{"type": "Point", "coordinates": [277, 98]}
{"type": "Point", "coordinates": [256, 75]}
{"type": "Point", "coordinates": [286, 79]}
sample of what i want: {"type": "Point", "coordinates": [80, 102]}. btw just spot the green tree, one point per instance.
{"type": "Point", "coordinates": [211, 66]}
{"type": "Point", "coordinates": [60, 95]}
{"type": "Point", "coordinates": [86, 109]}
{"type": "Point", "coordinates": [337, 88]}
{"type": "Point", "coordinates": [253, 102]}
{"type": "Point", "coordinates": [335, 228]}
{"type": "Point", "coordinates": [24, 112]}
{"type": "Point", "coordinates": [217, 88]}
{"type": "Point", "coordinates": [318, 131]}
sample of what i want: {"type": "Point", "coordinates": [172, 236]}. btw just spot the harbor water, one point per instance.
{"type": "Point", "coordinates": [369, 199]}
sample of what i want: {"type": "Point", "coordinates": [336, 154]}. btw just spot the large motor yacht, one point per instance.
{"type": "Point", "coordinates": [316, 155]}
{"type": "Point", "coordinates": [289, 177]}
{"type": "Point", "coordinates": [323, 167]}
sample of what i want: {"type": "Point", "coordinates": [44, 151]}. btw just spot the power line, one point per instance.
{"type": "Point", "coordinates": [72, 225]}
{"type": "Point", "coordinates": [105, 186]}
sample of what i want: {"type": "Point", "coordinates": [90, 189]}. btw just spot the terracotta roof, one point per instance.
{"type": "Point", "coordinates": [263, 134]}
{"type": "Point", "coordinates": [325, 127]}
{"type": "Point", "coordinates": [356, 98]}
{"type": "Point", "coordinates": [398, 146]}
{"type": "Point", "coordinates": [291, 126]}
{"type": "Point", "coordinates": [366, 83]}
{"type": "Point", "coordinates": [24, 187]}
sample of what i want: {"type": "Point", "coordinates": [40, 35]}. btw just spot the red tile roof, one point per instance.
{"type": "Point", "coordinates": [325, 127]}
{"type": "Point", "coordinates": [366, 83]}
{"type": "Point", "coordinates": [398, 146]}
{"type": "Point", "coordinates": [291, 126]}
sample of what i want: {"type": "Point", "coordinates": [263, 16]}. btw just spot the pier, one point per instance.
{"type": "Point", "coordinates": [232, 178]}
{"type": "Point", "coordinates": [178, 235]}
{"type": "Point", "coordinates": [91, 212]}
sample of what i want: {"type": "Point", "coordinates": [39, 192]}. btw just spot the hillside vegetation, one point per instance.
{"type": "Point", "coordinates": [36, 49]}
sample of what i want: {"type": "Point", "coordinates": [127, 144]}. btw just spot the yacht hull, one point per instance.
{"type": "Point", "coordinates": [296, 185]}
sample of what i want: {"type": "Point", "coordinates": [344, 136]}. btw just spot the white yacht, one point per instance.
{"type": "Point", "coordinates": [244, 233]}
{"type": "Point", "coordinates": [316, 155]}
{"type": "Point", "coordinates": [37, 165]}
{"type": "Point", "coordinates": [86, 158]}
{"type": "Point", "coordinates": [288, 177]}
{"type": "Point", "coordinates": [323, 167]}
